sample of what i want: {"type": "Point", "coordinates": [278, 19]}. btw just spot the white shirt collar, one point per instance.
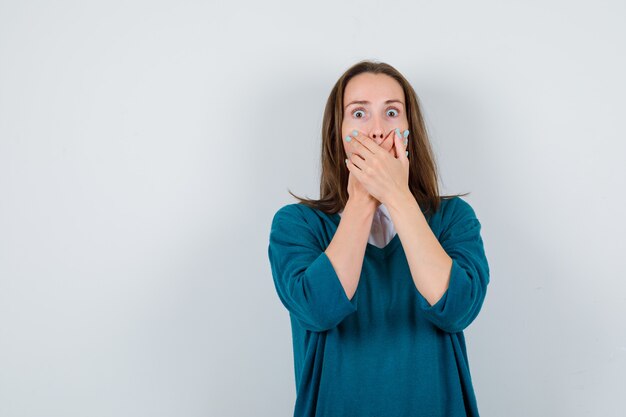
{"type": "Point", "coordinates": [385, 212]}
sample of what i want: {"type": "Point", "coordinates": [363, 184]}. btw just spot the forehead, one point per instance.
{"type": "Point", "coordinates": [372, 87]}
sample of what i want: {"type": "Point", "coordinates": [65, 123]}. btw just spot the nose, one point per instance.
{"type": "Point", "coordinates": [377, 132]}
{"type": "Point", "coordinates": [377, 136]}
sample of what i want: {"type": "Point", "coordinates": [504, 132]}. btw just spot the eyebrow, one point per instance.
{"type": "Point", "coordinates": [367, 102]}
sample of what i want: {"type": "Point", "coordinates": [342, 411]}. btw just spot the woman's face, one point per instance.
{"type": "Point", "coordinates": [374, 104]}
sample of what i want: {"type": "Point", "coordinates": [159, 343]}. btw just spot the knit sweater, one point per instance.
{"type": "Point", "coordinates": [386, 352]}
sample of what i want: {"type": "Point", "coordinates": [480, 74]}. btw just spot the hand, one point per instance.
{"type": "Point", "coordinates": [384, 174]}
{"type": "Point", "coordinates": [356, 191]}
{"type": "Point", "coordinates": [359, 195]}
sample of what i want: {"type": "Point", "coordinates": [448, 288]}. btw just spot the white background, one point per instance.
{"type": "Point", "coordinates": [146, 145]}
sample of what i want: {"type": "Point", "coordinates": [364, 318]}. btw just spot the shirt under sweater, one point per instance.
{"type": "Point", "coordinates": [386, 352]}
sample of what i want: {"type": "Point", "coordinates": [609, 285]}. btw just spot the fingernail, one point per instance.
{"type": "Point", "coordinates": [406, 141]}
{"type": "Point", "coordinates": [398, 132]}
{"type": "Point", "coordinates": [348, 138]}
{"type": "Point", "coordinates": [346, 161]}
{"type": "Point", "coordinates": [407, 153]}
{"type": "Point", "coordinates": [355, 133]}
{"type": "Point", "coordinates": [406, 133]}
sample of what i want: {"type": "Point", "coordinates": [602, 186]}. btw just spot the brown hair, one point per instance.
{"type": "Point", "coordinates": [423, 176]}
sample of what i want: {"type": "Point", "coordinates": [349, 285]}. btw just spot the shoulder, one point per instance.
{"type": "Point", "coordinates": [456, 207]}
{"type": "Point", "coordinates": [299, 224]}
{"type": "Point", "coordinates": [297, 216]}
{"type": "Point", "coordinates": [292, 212]}
{"type": "Point", "coordinates": [457, 215]}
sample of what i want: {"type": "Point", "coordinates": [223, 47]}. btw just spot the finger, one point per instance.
{"type": "Point", "coordinates": [406, 142]}
{"type": "Point", "coordinates": [355, 159]}
{"type": "Point", "coordinates": [405, 134]}
{"type": "Point", "coordinates": [387, 144]}
{"type": "Point", "coordinates": [363, 143]}
{"type": "Point", "coordinates": [354, 170]}
{"type": "Point", "coordinates": [399, 142]}
{"type": "Point", "coordinates": [354, 145]}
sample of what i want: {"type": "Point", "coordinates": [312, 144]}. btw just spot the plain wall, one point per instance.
{"type": "Point", "coordinates": [146, 145]}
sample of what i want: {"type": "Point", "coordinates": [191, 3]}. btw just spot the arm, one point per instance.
{"type": "Point", "coordinates": [451, 277]}
{"type": "Point", "coordinates": [305, 279]}
{"type": "Point", "coordinates": [429, 263]}
{"type": "Point", "coordinates": [347, 249]}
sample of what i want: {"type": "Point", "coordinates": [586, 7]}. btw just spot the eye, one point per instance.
{"type": "Point", "coordinates": [357, 111]}
{"type": "Point", "coordinates": [362, 110]}
{"type": "Point", "coordinates": [397, 112]}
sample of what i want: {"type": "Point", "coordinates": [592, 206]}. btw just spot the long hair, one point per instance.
{"type": "Point", "coordinates": [423, 177]}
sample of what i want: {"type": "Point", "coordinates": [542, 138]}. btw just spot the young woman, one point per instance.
{"type": "Point", "coordinates": [381, 274]}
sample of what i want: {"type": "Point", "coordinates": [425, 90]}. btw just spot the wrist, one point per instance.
{"type": "Point", "coordinates": [363, 208]}
{"type": "Point", "coordinates": [398, 200]}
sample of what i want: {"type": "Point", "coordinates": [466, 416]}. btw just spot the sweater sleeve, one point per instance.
{"type": "Point", "coordinates": [305, 280]}
{"type": "Point", "coordinates": [469, 275]}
